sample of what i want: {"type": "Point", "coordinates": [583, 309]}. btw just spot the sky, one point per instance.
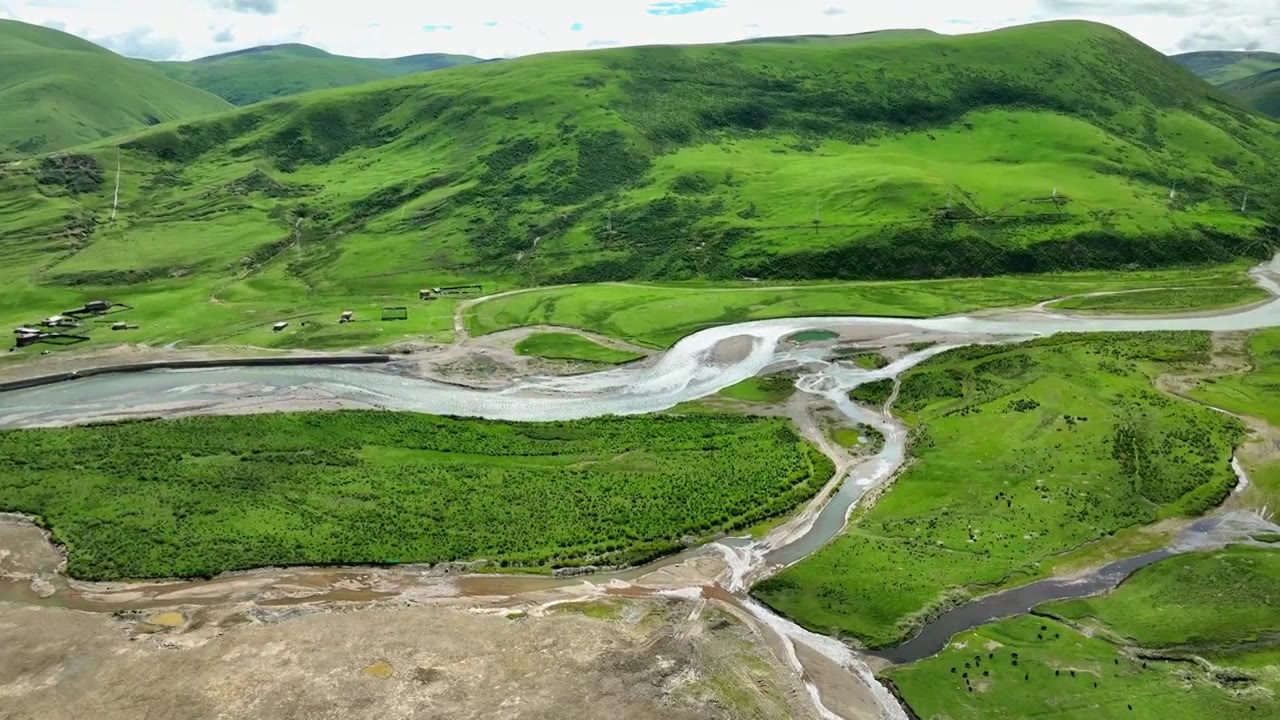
{"type": "Point", "coordinates": [188, 29]}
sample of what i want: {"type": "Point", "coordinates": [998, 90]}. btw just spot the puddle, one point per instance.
{"type": "Point", "coordinates": [167, 619]}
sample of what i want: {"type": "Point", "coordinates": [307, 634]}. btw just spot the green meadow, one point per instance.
{"type": "Point", "coordinates": [1028, 667]}
{"type": "Point", "coordinates": [1018, 455]}
{"type": "Point", "coordinates": [568, 346]}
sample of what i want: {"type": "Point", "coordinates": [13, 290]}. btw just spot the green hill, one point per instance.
{"type": "Point", "coordinates": [1220, 67]}
{"type": "Point", "coordinates": [248, 76]}
{"type": "Point", "coordinates": [1260, 92]}
{"type": "Point", "coordinates": [1039, 148]}
{"type": "Point", "coordinates": [57, 90]}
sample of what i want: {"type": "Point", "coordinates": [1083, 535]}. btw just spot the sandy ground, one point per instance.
{"type": "Point", "coordinates": [489, 361]}
{"type": "Point", "coordinates": [394, 642]}
{"type": "Point", "coordinates": [642, 659]}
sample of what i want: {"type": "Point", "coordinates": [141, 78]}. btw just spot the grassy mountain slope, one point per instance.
{"type": "Point", "coordinates": [928, 157]}
{"type": "Point", "coordinates": [1260, 92]}
{"type": "Point", "coordinates": [57, 90]}
{"type": "Point", "coordinates": [249, 76]}
{"type": "Point", "coordinates": [1220, 67]}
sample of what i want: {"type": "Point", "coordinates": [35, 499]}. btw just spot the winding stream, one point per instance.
{"type": "Point", "coordinates": [694, 368]}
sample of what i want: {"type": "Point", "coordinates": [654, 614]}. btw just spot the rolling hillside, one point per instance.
{"type": "Point", "coordinates": [1220, 67]}
{"type": "Point", "coordinates": [248, 76]}
{"type": "Point", "coordinates": [1260, 92]}
{"type": "Point", "coordinates": [1045, 147]}
{"type": "Point", "coordinates": [57, 90]}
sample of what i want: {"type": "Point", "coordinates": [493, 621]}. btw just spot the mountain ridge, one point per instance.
{"type": "Point", "coordinates": [49, 99]}
{"type": "Point", "coordinates": [244, 77]}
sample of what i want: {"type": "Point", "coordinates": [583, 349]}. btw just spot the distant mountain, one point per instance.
{"type": "Point", "coordinates": [248, 76]}
{"type": "Point", "coordinates": [1038, 148]}
{"type": "Point", "coordinates": [1252, 78]}
{"type": "Point", "coordinates": [57, 90]}
{"type": "Point", "coordinates": [906, 34]}
{"type": "Point", "coordinates": [1220, 67]}
{"type": "Point", "coordinates": [1260, 92]}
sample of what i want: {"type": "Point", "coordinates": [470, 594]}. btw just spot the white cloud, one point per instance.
{"type": "Point", "coordinates": [503, 28]}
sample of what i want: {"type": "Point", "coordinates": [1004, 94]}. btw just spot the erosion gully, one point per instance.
{"type": "Point", "coordinates": [700, 365]}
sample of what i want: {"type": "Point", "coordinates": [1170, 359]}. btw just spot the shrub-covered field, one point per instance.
{"type": "Point", "coordinates": [567, 346]}
{"type": "Point", "coordinates": [204, 495]}
{"type": "Point", "coordinates": [1020, 453]}
{"type": "Point", "coordinates": [873, 394]}
{"type": "Point", "coordinates": [1028, 667]}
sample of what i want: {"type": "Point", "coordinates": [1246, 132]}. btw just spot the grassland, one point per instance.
{"type": "Point", "coordinates": [249, 76]}
{"type": "Point", "coordinates": [658, 315]}
{"type": "Point", "coordinates": [59, 91]}
{"type": "Point", "coordinates": [1036, 667]}
{"type": "Point", "coordinates": [1020, 453]}
{"type": "Point", "coordinates": [1255, 393]}
{"type": "Point", "coordinates": [774, 388]}
{"type": "Point", "coordinates": [568, 346]}
{"type": "Point", "coordinates": [1165, 300]}
{"type": "Point", "coordinates": [200, 496]}
{"type": "Point", "coordinates": [1203, 602]}
{"type": "Point", "coordinates": [1137, 659]}
{"type": "Point", "coordinates": [708, 158]}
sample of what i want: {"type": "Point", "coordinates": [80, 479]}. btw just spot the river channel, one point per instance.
{"type": "Point", "coordinates": [694, 368]}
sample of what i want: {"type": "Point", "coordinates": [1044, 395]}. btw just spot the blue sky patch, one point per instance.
{"type": "Point", "coordinates": [576, 27]}
{"type": "Point", "coordinates": [434, 28]}
{"type": "Point", "coordinates": [491, 23]}
{"type": "Point", "coordinates": [683, 7]}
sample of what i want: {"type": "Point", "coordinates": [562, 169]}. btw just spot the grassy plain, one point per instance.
{"type": "Point", "coordinates": [1166, 300]}
{"type": "Point", "coordinates": [1201, 602]}
{"type": "Point", "coordinates": [1020, 453]}
{"type": "Point", "coordinates": [59, 91]}
{"type": "Point", "coordinates": [506, 174]}
{"type": "Point", "coordinates": [1255, 393]}
{"type": "Point", "coordinates": [658, 315]}
{"type": "Point", "coordinates": [774, 388]}
{"type": "Point", "coordinates": [568, 346]}
{"type": "Point", "coordinates": [200, 496]}
{"type": "Point", "coordinates": [1027, 667]}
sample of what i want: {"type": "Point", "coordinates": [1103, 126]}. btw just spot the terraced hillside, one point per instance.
{"type": "Point", "coordinates": [249, 76]}
{"type": "Point", "coordinates": [57, 90]}
{"type": "Point", "coordinates": [1045, 147]}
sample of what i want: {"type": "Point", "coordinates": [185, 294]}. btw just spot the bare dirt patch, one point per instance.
{"type": "Point", "coordinates": [391, 662]}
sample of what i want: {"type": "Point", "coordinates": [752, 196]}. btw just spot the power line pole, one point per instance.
{"type": "Point", "coordinates": [115, 200]}
{"type": "Point", "coordinates": [1244, 206]}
